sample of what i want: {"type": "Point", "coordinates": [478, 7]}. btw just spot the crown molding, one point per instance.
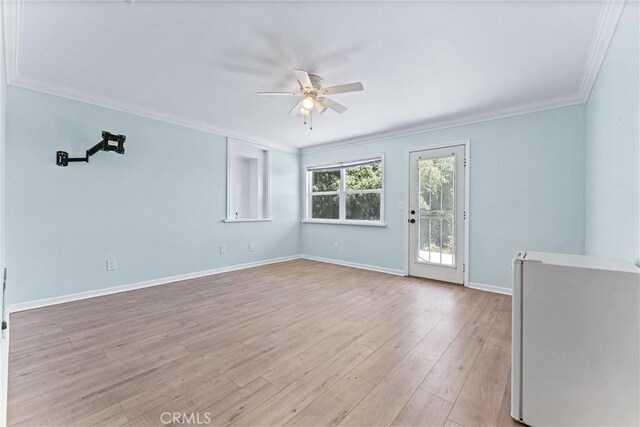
{"type": "Point", "coordinates": [609, 17]}
{"type": "Point", "coordinates": [93, 99]}
{"type": "Point", "coordinates": [12, 25]}
{"type": "Point", "coordinates": [462, 120]}
{"type": "Point", "coordinates": [607, 23]}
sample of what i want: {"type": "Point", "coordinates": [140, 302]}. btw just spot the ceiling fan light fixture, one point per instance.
{"type": "Point", "coordinates": [314, 95]}
{"type": "Point", "coordinates": [308, 102]}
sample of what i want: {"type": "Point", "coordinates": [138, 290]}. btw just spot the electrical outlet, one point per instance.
{"type": "Point", "coordinates": [112, 264]}
{"type": "Point", "coordinates": [252, 247]}
{"type": "Point", "coordinates": [336, 247]}
{"type": "Point", "coordinates": [223, 249]}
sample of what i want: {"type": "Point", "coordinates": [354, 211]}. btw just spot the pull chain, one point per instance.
{"type": "Point", "coordinates": [308, 114]}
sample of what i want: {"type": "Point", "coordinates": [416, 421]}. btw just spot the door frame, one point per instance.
{"type": "Point", "coordinates": [407, 177]}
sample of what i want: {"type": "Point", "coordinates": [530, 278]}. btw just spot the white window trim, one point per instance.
{"type": "Point", "coordinates": [247, 220]}
{"type": "Point", "coordinates": [230, 218]}
{"type": "Point", "coordinates": [343, 192]}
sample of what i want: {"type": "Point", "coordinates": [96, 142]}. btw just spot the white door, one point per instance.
{"type": "Point", "coordinates": [436, 213]}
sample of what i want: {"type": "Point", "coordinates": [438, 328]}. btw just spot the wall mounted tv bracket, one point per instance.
{"type": "Point", "coordinates": [110, 142]}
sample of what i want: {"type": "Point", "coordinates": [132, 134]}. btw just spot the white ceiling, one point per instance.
{"type": "Point", "coordinates": [423, 64]}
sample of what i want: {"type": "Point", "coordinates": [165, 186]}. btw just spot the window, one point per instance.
{"type": "Point", "coordinates": [247, 182]}
{"type": "Point", "coordinates": [347, 192]}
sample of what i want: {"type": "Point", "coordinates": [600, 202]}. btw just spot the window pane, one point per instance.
{"type": "Point", "coordinates": [326, 181]}
{"type": "Point", "coordinates": [364, 206]}
{"type": "Point", "coordinates": [437, 210]}
{"type": "Point", "coordinates": [327, 207]}
{"type": "Point", "coordinates": [366, 177]}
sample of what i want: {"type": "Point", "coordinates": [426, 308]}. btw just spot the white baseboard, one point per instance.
{"type": "Point", "coordinates": [490, 288]}
{"type": "Point", "coordinates": [355, 265]}
{"type": "Point", "coordinates": [29, 305]}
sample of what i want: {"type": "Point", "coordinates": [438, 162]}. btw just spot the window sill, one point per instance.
{"type": "Point", "coordinates": [339, 222]}
{"type": "Point", "coordinates": [247, 220]}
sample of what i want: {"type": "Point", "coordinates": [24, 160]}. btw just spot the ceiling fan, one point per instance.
{"type": "Point", "coordinates": [314, 95]}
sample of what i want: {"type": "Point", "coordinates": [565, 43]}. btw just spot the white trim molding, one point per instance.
{"type": "Point", "coordinates": [385, 270]}
{"type": "Point", "coordinates": [342, 192]}
{"type": "Point", "coordinates": [467, 209]}
{"type": "Point", "coordinates": [62, 299]}
{"type": "Point", "coordinates": [238, 149]}
{"type": "Point", "coordinates": [139, 285]}
{"type": "Point", "coordinates": [345, 222]}
{"type": "Point", "coordinates": [100, 101]}
{"type": "Point", "coordinates": [608, 21]}
{"type": "Point", "coordinates": [428, 126]}
{"type": "Point", "coordinates": [12, 24]}
{"type": "Point", "coordinates": [247, 220]}
{"type": "Point", "coordinates": [490, 288]}
{"type": "Point", "coordinates": [609, 17]}
{"type": "Point", "coordinates": [45, 302]}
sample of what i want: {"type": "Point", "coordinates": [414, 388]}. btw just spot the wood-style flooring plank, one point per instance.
{"type": "Point", "coordinates": [481, 397]}
{"type": "Point", "coordinates": [299, 343]}
{"type": "Point", "coordinates": [424, 409]}
{"type": "Point", "coordinates": [235, 405]}
{"type": "Point", "coordinates": [505, 419]}
{"type": "Point", "coordinates": [450, 373]}
{"type": "Point", "coordinates": [284, 405]}
{"type": "Point", "coordinates": [381, 406]}
{"type": "Point", "coordinates": [334, 404]}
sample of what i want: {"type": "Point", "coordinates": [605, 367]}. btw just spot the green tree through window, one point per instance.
{"type": "Point", "coordinates": [361, 192]}
{"type": "Point", "coordinates": [437, 205]}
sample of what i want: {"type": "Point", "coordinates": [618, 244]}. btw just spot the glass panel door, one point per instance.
{"type": "Point", "coordinates": [436, 214]}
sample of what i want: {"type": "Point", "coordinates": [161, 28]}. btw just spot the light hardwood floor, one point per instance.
{"type": "Point", "coordinates": [297, 343]}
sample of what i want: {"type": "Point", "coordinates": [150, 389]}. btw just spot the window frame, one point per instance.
{"type": "Point", "coordinates": [343, 192]}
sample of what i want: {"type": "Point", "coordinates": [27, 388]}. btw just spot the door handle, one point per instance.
{"type": "Point", "coordinates": [412, 221]}
{"type": "Point", "coordinates": [413, 212]}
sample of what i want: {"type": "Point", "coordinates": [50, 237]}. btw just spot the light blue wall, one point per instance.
{"type": "Point", "coordinates": [158, 208]}
{"type": "Point", "coordinates": [612, 153]}
{"type": "Point", "coordinates": [526, 193]}
{"type": "Point", "coordinates": [561, 180]}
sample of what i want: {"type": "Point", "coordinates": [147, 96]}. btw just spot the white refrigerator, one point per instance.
{"type": "Point", "coordinates": [576, 341]}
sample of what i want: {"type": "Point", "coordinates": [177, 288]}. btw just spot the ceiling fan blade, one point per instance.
{"type": "Point", "coordinates": [303, 78]}
{"type": "Point", "coordinates": [338, 108]}
{"type": "Point", "coordinates": [320, 107]}
{"type": "Point", "coordinates": [351, 87]}
{"type": "Point", "coordinates": [295, 109]}
{"type": "Point", "coordinates": [280, 93]}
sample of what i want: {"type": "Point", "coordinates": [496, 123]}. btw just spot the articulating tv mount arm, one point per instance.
{"type": "Point", "coordinates": [110, 142]}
